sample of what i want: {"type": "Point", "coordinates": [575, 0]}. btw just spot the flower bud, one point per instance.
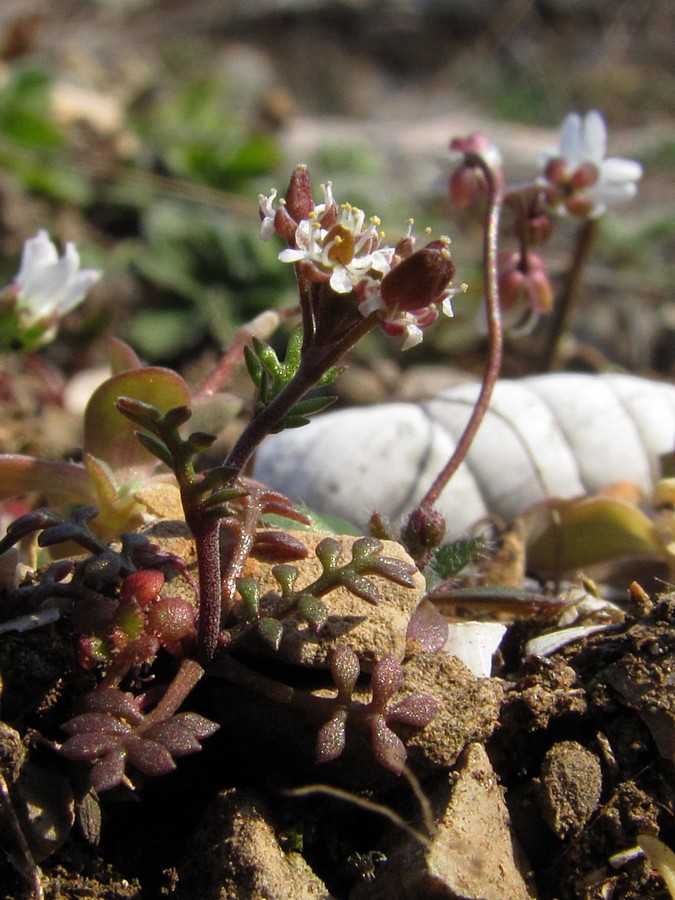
{"type": "Point", "coordinates": [171, 618]}
{"type": "Point", "coordinates": [419, 280]}
{"type": "Point", "coordinates": [465, 186]}
{"type": "Point", "coordinates": [424, 530]}
{"type": "Point", "coordinates": [142, 586]}
{"type": "Point", "coordinates": [299, 200]}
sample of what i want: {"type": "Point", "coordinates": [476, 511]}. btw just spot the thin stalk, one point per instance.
{"type": "Point", "coordinates": [563, 309]}
{"type": "Point", "coordinates": [495, 339]}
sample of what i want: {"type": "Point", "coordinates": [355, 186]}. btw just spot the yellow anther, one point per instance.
{"type": "Point", "coordinates": [427, 231]}
{"type": "Point", "coordinates": [376, 221]}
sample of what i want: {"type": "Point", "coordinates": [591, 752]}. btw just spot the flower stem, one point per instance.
{"type": "Point", "coordinates": [207, 541]}
{"type": "Point", "coordinates": [495, 337]}
{"type": "Point", "coordinates": [563, 309]}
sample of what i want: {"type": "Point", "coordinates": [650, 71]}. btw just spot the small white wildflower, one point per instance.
{"type": "Point", "coordinates": [46, 288]}
{"type": "Point", "coordinates": [591, 182]}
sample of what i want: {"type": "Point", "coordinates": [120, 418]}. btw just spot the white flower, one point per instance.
{"type": "Point", "coordinates": [579, 166]}
{"type": "Point", "coordinates": [47, 288]}
{"type": "Point", "coordinates": [343, 253]}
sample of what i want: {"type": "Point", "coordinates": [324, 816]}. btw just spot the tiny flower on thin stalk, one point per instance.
{"type": "Point", "coordinates": [44, 290]}
{"type": "Point", "coordinates": [579, 179]}
{"type": "Point", "coordinates": [523, 281]}
{"type": "Point", "coordinates": [467, 182]}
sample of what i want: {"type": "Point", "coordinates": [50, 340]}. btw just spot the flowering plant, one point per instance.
{"type": "Point", "coordinates": [46, 288]}
{"type": "Point", "coordinates": [242, 573]}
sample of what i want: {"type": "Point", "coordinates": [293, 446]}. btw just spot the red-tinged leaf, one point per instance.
{"type": "Point", "coordinates": [57, 482]}
{"type": "Point", "coordinates": [117, 703]}
{"type": "Point", "coordinates": [392, 569]}
{"type": "Point", "coordinates": [417, 710]}
{"type": "Point", "coordinates": [82, 747]}
{"type": "Point", "coordinates": [177, 739]}
{"type": "Point", "coordinates": [330, 741]}
{"type": "Point", "coordinates": [149, 757]}
{"type": "Point", "coordinates": [108, 772]}
{"type": "Point", "coordinates": [386, 679]}
{"type": "Point", "coordinates": [278, 546]}
{"type": "Point", "coordinates": [122, 357]}
{"type": "Point", "coordinates": [427, 629]}
{"type": "Point", "coordinates": [109, 436]}
{"type": "Point", "coordinates": [200, 726]}
{"type": "Point", "coordinates": [388, 748]}
{"type": "Point", "coordinates": [345, 669]}
{"type": "Point", "coordinates": [361, 587]}
{"type": "Point", "coordinates": [96, 722]}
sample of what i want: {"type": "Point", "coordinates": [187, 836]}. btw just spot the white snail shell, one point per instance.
{"type": "Point", "coordinates": [558, 435]}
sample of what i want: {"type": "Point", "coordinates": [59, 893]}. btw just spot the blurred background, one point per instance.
{"type": "Point", "coordinates": [145, 129]}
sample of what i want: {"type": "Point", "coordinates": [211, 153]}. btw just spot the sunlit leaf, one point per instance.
{"type": "Point", "coordinates": [563, 535]}
{"type": "Point", "coordinates": [109, 436]}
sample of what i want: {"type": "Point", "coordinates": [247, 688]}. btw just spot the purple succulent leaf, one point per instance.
{"type": "Point", "coordinates": [388, 748]}
{"type": "Point", "coordinates": [345, 670]}
{"type": "Point", "coordinates": [386, 679]}
{"type": "Point", "coordinates": [92, 722]}
{"type": "Point", "coordinates": [330, 741]}
{"type": "Point", "coordinates": [90, 746]}
{"type": "Point", "coordinates": [149, 757]}
{"type": "Point", "coordinates": [199, 726]}
{"type": "Point", "coordinates": [177, 739]}
{"type": "Point", "coordinates": [361, 587]}
{"type": "Point", "coordinates": [364, 549]}
{"type": "Point", "coordinates": [114, 702]}
{"type": "Point", "coordinates": [282, 506]}
{"type": "Point", "coordinates": [427, 628]}
{"type": "Point", "coordinates": [417, 710]}
{"type": "Point", "coordinates": [108, 772]}
{"type": "Point", "coordinates": [278, 546]}
{"type": "Point", "coordinates": [396, 570]}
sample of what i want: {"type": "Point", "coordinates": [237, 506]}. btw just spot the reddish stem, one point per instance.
{"type": "Point", "coordinates": [495, 337]}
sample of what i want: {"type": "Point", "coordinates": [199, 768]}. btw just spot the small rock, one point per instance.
{"type": "Point", "coordinates": [569, 787]}
{"type": "Point", "coordinates": [468, 707]}
{"type": "Point", "coordinates": [472, 854]}
{"type": "Point", "coordinates": [371, 631]}
{"type": "Point", "coordinates": [235, 854]}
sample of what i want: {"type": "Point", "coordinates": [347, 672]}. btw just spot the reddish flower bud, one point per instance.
{"type": "Point", "coordinates": [284, 225]}
{"type": "Point", "coordinates": [142, 586]}
{"type": "Point", "coordinates": [172, 618]}
{"type": "Point", "coordinates": [585, 176]}
{"type": "Point", "coordinates": [419, 280]}
{"type": "Point", "coordinates": [299, 200]}
{"type": "Point", "coordinates": [466, 185]}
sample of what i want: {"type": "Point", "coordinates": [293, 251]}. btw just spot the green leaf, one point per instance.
{"type": "Point", "coordinates": [110, 436]}
{"type": "Point", "coordinates": [271, 631]}
{"type": "Point", "coordinates": [324, 524]}
{"type": "Point", "coordinates": [250, 594]}
{"type": "Point", "coordinates": [449, 560]}
{"type": "Point", "coordinates": [157, 448]}
{"type": "Point", "coordinates": [563, 535]}
{"type": "Point", "coordinates": [313, 611]}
